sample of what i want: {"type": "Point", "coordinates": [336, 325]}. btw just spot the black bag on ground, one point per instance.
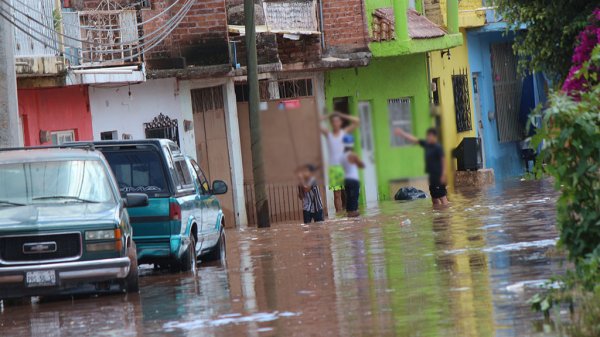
{"type": "Point", "coordinates": [409, 193]}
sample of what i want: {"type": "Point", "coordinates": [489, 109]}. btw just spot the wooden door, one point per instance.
{"type": "Point", "coordinates": [211, 142]}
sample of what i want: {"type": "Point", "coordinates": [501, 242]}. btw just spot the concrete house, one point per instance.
{"type": "Point", "coordinates": [393, 91]}
{"type": "Point", "coordinates": [195, 91]}
{"type": "Point", "coordinates": [503, 98]}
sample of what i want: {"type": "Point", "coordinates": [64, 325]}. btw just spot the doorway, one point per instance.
{"type": "Point", "coordinates": [211, 142]}
{"type": "Point", "coordinates": [368, 153]}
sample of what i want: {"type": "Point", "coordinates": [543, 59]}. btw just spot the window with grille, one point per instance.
{"type": "Point", "coordinates": [161, 127]}
{"type": "Point", "coordinates": [207, 99]}
{"type": "Point", "coordinates": [400, 113]}
{"type": "Point", "coordinates": [462, 105]}
{"type": "Point", "coordinates": [274, 90]}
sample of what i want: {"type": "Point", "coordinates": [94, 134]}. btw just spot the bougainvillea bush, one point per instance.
{"type": "Point", "coordinates": [579, 78]}
{"type": "Point", "coordinates": [570, 140]}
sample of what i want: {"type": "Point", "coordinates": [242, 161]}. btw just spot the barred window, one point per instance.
{"type": "Point", "coordinates": [400, 113]}
{"type": "Point", "coordinates": [462, 105]}
{"type": "Point", "coordinates": [274, 90]}
{"type": "Point", "coordinates": [207, 99]}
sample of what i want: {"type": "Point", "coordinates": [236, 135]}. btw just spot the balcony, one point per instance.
{"type": "Point", "coordinates": [102, 38]}
{"type": "Point", "coordinates": [39, 55]}
{"type": "Point", "coordinates": [404, 29]}
{"type": "Point", "coordinates": [86, 47]}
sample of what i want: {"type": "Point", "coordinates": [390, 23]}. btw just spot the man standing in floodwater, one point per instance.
{"type": "Point", "coordinates": [435, 165]}
{"type": "Point", "coordinates": [335, 144]}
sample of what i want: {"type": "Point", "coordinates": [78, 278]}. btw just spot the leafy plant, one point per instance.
{"type": "Point", "coordinates": [570, 140]}
{"type": "Point", "coordinates": [551, 28]}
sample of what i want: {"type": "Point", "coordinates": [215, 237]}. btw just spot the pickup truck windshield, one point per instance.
{"type": "Point", "coordinates": [83, 181]}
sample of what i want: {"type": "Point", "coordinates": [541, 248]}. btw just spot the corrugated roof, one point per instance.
{"type": "Point", "coordinates": [419, 26]}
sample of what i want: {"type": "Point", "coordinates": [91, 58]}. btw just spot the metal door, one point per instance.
{"type": "Point", "coordinates": [368, 153]}
{"type": "Point", "coordinates": [508, 87]}
{"type": "Point", "coordinates": [211, 142]}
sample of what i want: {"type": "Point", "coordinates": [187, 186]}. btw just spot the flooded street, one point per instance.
{"type": "Point", "coordinates": [401, 270]}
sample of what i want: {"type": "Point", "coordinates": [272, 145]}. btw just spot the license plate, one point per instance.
{"type": "Point", "coordinates": [41, 278]}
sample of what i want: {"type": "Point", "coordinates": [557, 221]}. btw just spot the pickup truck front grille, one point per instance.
{"type": "Point", "coordinates": [34, 248]}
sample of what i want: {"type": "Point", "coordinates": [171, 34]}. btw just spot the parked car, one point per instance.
{"type": "Point", "coordinates": [63, 224]}
{"type": "Point", "coordinates": [184, 219]}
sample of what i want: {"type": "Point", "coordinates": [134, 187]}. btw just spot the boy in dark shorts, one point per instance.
{"type": "Point", "coordinates": [435, 164]}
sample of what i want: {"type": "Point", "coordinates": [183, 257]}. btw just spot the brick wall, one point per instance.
{"type": "Point", "coordinates": [345, 26]}
{"type": "Point", "coordinates": [306, 49]}
{"type": "Point", "coordinates": [199, 40]}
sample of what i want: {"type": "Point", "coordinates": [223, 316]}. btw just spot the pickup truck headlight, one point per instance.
{"type": "Point", "coordinates": [111, 234]}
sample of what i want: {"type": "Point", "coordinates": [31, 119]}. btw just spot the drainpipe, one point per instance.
{"type": "Point", "coordinates": [321, 26]}
{"type": "Point", "coordinates": [452, 16]}
{"type": "Point", "coordinates": [401, 20]}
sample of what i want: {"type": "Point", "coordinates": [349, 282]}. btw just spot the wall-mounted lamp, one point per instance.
{"type": "Point", "coordinates": [445, 52]}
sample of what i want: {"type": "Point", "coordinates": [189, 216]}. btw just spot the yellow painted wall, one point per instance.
{"type": "Point", "coordinates": [470, 13]}
{"type": "Point", "coordinates": [443, 69]}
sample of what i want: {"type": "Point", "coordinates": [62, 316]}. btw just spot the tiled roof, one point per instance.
{"type": "Point", "coordinates": [419, 27]}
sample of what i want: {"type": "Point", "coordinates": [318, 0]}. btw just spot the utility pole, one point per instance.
{"type": "Point", "coordinates": [9, 110]}
{"type": "Point", "coordinates": [261, 199]}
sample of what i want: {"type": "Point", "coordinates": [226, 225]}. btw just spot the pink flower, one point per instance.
{"type": "Point", "coordinates": [587, 40]}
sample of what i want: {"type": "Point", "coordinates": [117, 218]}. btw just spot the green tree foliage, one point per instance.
{"type": "Point", "coordinates": [551, 29]}
{"type": "Point", "coordinates": [571, 135]}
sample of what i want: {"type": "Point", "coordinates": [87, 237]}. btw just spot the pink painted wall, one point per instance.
{"type": "Point", "coordinates": [55, 109]}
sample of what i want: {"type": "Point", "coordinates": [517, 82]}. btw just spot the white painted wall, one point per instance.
{"type": "Point", "coordinates": [126, 109]}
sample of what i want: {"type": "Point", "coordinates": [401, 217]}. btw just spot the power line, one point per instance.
{"type": "Point", "coordinates": [51, 19]}
{"type": "Point", "coordinates": [185, 8]}
{"type": "Point", "coordinates": [151, 42]}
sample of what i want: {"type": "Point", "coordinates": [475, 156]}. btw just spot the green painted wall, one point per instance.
{"type": "Point", "coordinates": [383, 79]}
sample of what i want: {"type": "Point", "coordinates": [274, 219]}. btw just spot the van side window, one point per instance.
{"type": "Point", "coordinates": [202, 181]}
{"type": "Point", "coordinates": [183, 175]}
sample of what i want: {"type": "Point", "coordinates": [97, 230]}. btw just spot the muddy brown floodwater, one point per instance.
{"type": "Point", "coordinates": [401, 270]}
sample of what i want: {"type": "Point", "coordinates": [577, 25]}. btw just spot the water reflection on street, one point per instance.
{"type": "Point", "coordinates": [401, 270]}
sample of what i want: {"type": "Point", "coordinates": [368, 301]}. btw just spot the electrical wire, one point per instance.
{"type": "Point", "coordinates": [107, 29]}
{"type": "Point", "coordinates": [137, 50]}
{"type": "Point", "coordinates": [140, 51]}
{"type": "Point", "coordinates": [143, 37]}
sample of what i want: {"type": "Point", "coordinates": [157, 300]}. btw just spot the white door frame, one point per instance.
{"type": "Point", "coordinates": [478, 113]}
{"type": "Point", "coordinates": [368, 153]}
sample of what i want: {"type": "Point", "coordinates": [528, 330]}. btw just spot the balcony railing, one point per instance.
{"type": "Point", "coordinates": [44, 37]}
{"type": "Point", "coordinates": [25, 14]}
{"type": "Point", "coordinates": [102, 38]}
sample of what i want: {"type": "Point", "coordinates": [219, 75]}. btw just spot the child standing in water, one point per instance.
{"type": "Point", "coordinates": [309, 193]}
{"type": "Point", "coordinates": [335, 146]}
{"type": "Point", "coordinates": [351, 162]}
{"type": "Point", "coordinates": [435, 165]}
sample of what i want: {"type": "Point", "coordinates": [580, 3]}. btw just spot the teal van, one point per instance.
{"type": "Point", "coordinates": [183, 220]}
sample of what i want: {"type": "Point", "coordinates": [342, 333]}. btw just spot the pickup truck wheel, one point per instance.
{"type": "Point", "coordinates": [131, 283]}
{"type": "Point", "coordinates": [218, 252]}
{"type": "Point", "coordinates": [189, 259]}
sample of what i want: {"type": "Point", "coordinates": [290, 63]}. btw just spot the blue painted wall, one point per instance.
{"type": "Point", "coordinates": [504, 158]}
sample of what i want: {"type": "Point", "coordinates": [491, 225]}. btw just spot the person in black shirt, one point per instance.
{"type": "Point", "coordinates": [435, 165]}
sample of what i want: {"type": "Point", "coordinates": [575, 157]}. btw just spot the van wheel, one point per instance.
{"type": "Point", "coordinates": [219, 252]}
{"type": "Point", "coordinates": [131, 283]}
{"type": "Point", "coordinates": [189, 259]}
